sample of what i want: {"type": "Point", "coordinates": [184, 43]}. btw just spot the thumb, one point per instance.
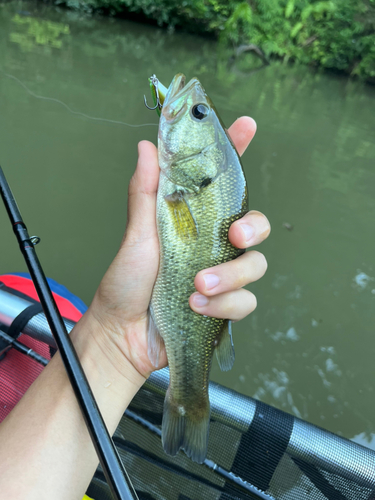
{"type": "Point", "coordinates": [142, 194]}
{"type": "Point", "coordinates": [127, 285]}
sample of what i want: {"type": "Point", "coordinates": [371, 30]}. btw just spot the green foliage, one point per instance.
{"type": "Point", "coordinates": [335, 34]}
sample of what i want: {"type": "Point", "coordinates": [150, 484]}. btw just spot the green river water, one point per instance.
{"type": "Point", "coordinates": [309, 348]}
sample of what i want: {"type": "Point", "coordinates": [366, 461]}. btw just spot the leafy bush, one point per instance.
{"type": "Point", "coordinates": [335, 34]}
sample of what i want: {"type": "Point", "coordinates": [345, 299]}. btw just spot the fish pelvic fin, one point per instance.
{"type": "Point", "coordinates": [155, 340]}
{"type": "Point", "coordinates": [184, 222]}
{"type": "Point", "coordinates": [225, 348]}
{"type": "Point", "coordinates": [185, 428]}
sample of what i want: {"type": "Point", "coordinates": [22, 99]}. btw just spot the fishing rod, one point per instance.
{"type": "Point", "coordinates": [116, 476]}
{"type": "Point", "coordinates": [23, 349]}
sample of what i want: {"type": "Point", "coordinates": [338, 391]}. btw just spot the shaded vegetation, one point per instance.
{"type": "Point", "coordinates": [335, 34]}
{"type": "Point", "coordinates": [37, 32]}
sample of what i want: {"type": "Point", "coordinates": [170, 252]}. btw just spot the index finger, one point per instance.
{"type": "Point", "coordinates": [241, 132]}
{"type": "Point", "coordinates": [250, 230]}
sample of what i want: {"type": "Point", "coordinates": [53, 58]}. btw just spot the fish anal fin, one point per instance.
{"type": "Point", "coordinates": [155, 340]}
{"type": "Point", "coordinates": [185, 224]}
{"type": "Point", "coordinates": [225, 348]}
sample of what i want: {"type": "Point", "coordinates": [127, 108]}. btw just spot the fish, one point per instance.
{"type": "Point", "coordinates": [202, 191]}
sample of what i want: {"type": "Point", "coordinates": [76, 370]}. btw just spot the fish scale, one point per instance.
{"type": "Point", "coordinates": [202, 191]}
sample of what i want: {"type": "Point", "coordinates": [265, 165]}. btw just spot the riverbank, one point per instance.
{"type": "Point", "coordinates": [337, 35]}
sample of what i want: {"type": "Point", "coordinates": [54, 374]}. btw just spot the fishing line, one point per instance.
{"type": "Point", "coordinates": [79, 113]}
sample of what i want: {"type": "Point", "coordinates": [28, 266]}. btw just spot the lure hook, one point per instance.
{"type": "Point", "coordinates": [149, 107]}
{"type": "Point", "coordinates": [155, 83]}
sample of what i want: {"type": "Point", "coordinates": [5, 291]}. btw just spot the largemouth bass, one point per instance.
{"type": "Point", "coordinates": [202, 191]}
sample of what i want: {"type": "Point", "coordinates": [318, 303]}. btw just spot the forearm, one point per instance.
{"type": "Point", "coordinates": [44, 440]}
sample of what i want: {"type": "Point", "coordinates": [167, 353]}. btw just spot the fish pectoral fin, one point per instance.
{"type": "Point", "coordinates": [155, 340]}
{"type": "Point", "coordinates": [185, 223]}
{"type": "Point", "coordinates": [225, 348]}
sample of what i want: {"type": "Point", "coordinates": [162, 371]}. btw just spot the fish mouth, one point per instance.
{"type": "Point", "coordinates": [178, 83]}
{"type": "Point", "coordinates": [179, 88]}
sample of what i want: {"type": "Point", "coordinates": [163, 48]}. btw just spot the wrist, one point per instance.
{"type": "Point", "coordinates": [49, 424]}
{"type": "Point", "coordinates": [113, 379]}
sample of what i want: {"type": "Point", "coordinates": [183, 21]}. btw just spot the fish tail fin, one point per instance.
{"type": "Point", "coordinates": [196, 439]}
{"type": "Point", "coordinates": [173, 430]}
{"type": "Point", "coordinates": [185, 428]}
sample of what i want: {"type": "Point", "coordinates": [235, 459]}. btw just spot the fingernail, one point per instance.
{"type": "Point", "coordinates": [248, 232]}
{"type": "Point", "coordinates": [211, 280]}
{"type": "Point", "coordinates": [200, 300]}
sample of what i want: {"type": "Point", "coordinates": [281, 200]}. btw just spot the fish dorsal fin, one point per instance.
{"type": "Point", "coordinates": [155, 341]}
{"type": "Point", "coordinates": [225, 348]}
{"type": "Point", "coordinates": [185, 224]}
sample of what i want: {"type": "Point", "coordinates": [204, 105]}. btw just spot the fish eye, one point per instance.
{"type": "Point", "coordinates": [199, 111]}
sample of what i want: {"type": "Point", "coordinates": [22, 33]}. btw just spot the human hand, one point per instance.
{"type": "Point", "coordinates": [121, 302]}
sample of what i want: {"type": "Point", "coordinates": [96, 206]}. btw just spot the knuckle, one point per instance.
{"type": "Point", "coordinates": [132, 188]}
{"type": "Point", "coordinates": [227, 305]}
{"type": "Point", "coordinates": [240, 272]}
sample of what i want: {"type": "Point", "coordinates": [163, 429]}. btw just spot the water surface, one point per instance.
{"type": "Point", "coordinates": [309, 348]}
